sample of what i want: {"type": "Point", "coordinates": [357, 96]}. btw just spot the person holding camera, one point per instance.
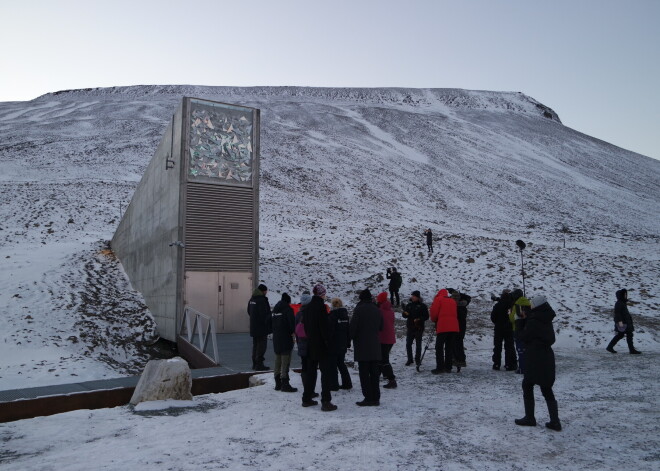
{"type": "Point", "coordinates": [429, 240]}
{"type": "Point", "coordinates": [394, 285]}
{"type": "Point", "coordinates": [416, 313]}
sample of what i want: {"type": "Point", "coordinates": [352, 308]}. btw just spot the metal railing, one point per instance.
{"type": "Point", "coordinates": [197, 326]}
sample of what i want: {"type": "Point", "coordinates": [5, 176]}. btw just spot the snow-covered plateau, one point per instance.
{"type": "Point", "coordinates": [350, 178]}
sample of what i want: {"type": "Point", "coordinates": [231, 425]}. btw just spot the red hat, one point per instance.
{"type": "Point", "coordinates": [381, 298]}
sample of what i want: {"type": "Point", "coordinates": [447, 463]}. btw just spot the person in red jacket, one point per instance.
{"type": "Point", "coordinates": [387, 339]}
{"type": "Point", "coordinates": [444, 314]}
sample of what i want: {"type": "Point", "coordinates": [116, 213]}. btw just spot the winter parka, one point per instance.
{"type": "Point", "coordinates": [284, 324]}
{"type": "Point", "coordinates": [621, 313]}
{"type": "Point", "coordinates": [415, 313]}
{"type": "Point", "coordinates": [365, 326]}
{"type": "Point", "coordinates": [395, 280]}
{"type": "Point", "coordinates": [500, 314]}
{"type": "Point", "coordinates": [387, 335]}
{"type": "Point", "coordinates": [260, 317]}
{"type": "Point", "coordinates": [538, 335]}
{"type": "Point", "coordinates": [444, 313]}
{"type": "Point", "coordinates": [317, 328]}
{"type": "Point", "coordinates": [341, 339]}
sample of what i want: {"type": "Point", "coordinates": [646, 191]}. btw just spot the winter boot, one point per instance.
{"type": "Point", "coordinates": [496, 367]}
{"type": "Point", "coordinates": [553, 411]}
{"type": "Point", "coordinates": [437, 371]}
{"type": "Point", "coordinates": [391, 384]}
{"type": "Point", "coordinates": [309, 403]}
{"type": "Point", "coordinates": [286, 386]}
{"type": "Point", "coordinates": [262, 367]}
{"type": "Point", "coordinates": [610, 349]}
{"type": "Point", "coordinates": [635, 352]}
{"type": "Point", "coordinates": [278, 383]}
{"type": "Point", "coordinates": [327, 406]}
{"type": "Point", "coordinates": [610, 346]}
{"type": "Point", "coordinates": [348, 384]}
{"type": "Point", "coordinates": [409, 362]}
{"type": "Point", "coordinates": [526, 421]}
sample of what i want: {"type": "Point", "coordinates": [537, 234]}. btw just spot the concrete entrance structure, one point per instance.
{"type": "Point", "coordinates": [189, 237]}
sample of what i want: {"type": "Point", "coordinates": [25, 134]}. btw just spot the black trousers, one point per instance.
{"type": "Point", "coordinates": [326, 364]}
{"type": "Point", "coordinates": [459, 346]}
{"type": "Point", "coordinates": [444, 350]}
{"type": "Point", "coordinates": [259, 345]}
{"type": "Point", "coordinates": [549, 396]}
{"type": "Point", "coordinates": [504, 336]}
{"type": "Point", "coordinates": [394, 293]}
{"type": "Point", "coordinates": [430, 246]}
{"type": "Point", "coordinates": [342, 369]}
{"type": "Point", "coordinates": [369, 376]}
{"type": "Point", "coordinates": [619, 336]}
{"type": "Point", "coordinates": [385, 366]}
{"type": "Point", "coordinates": [416, 335]}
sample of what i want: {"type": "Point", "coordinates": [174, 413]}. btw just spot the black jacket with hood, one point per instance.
{"type": "Point", "coordinates": [284, 324]}
{"type": "Point", "coordinates": [259, 311]}
{"type": "Point", "coordinates": [538, 335]}
{"type": "Point", "coordinates": [621, 313]}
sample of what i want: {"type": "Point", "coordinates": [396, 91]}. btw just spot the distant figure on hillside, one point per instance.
{"type": "Point", "coordinates": [284, 323]}
{"type": "Point", "coordinates": [260, 326]}
{"type": "Point", "coordinates": [429, 240]}
{"type": "Point", "coordinates": [538, 335]}
{"type": "Point", "coordinates": [394, 285]}
{"type": "Point", "coordinates": [503, 333]}
{"type": "Point", "coordinates": [365, 327]}
{"type": "Point", "coordinates": [416, 313]}
{"type": "Point", "coordinates": [623, 323]}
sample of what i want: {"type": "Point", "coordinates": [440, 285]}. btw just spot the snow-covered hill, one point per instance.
{"type": "Point", "coordinates": [350, 178]}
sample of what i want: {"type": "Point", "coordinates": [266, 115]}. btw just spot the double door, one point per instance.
{"type": "Point", "coordinates": [222, 296]}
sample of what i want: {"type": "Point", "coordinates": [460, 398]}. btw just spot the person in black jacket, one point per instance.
{"type": "Point", "coordinates": [623, 323]}
{"type": "Point", "coordinates": [365, 326]}
{"type": "Point", "coordinates": [260, 326]}
{"type": "Point", "coordinates": [416, 314]}
{"type": "Point", "coordinates": [319, 332]}
{"type": "Point", "coordinates": [503, 333]}
{"type": "Point", "coordinates": [284, 324]}
{"type": "Point", "coordinates": [339, 343]}
{"type": "Point", "coordinates": [394, 285]}
{"type": "Point", "coordinates": [538, 335]}
{"type": "Point", "coordinates": [429, 240]}
{"type": "Point", "coordinates": [462, 301]}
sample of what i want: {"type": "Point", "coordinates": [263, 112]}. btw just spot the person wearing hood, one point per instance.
{"type": "Point", "coordinates": [284, 324]}
{"type": "Point", "coordinates": [503, 333]}
{"type": "Point", "coordinates": [416, 313]}
{"type": "Point", "coordinates": [387, 339]}
{"type": "Point", "coordinates": [520, 304]}
{"type": "Point", "coordinates": [340, 342]}
{"type": "Point", "coordinates": [365, 327]}
{"type": "Point", "coordinates": [623, 323]}
{"type": "Point", "coordinates": [444, 314]}
{"type": "Point", "coordinates": [319, 332]}
{"type": "Point", "coordinates": [394, 285]}
{"type": "Point", "coordinates": [260, 326]}
{"type": "Point", "coordinates": [538, 335]}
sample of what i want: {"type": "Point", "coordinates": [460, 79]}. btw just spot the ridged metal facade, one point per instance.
{"type": "Point", "coordinates": [219, 228]}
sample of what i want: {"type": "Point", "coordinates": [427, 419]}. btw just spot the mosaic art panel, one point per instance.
{"type": "Point", "coordinates": [220, 143]}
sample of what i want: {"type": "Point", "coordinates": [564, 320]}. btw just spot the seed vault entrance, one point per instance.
{"type": "Point", "coordinates": [189, 238]}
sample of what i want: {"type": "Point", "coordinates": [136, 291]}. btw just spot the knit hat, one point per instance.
{"type": "Point", "coordinates": [305, 298]}
{"type": "Point", "coordinates": [365, 295]}
{"type": "Point", "coordinates": [319, 290]}
{"type": "Point", "coordinates": [381, 298]}
{"type": "Point", "coordinates": [262, 288]}
{"type": "Point", "coordinates": [416, 294]}
{"type": "Point", "coordinates": [516, 293]}
{"type": "Point", "coordinates": [538, 300]}
{"type": "Point", "coordinates": [286, 298]}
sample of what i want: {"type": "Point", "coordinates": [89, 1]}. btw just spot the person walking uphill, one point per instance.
{"type": "Point", "coordinates": [416, 314]}
{"type": "Point", "coordinates": [284, 324]}
{"type": "Point", "coordinates": [387, 339]}
{"type": "Point", "coordinates": [394, 285]}
{"type": "Point", "coordinates": [260, 326]}
{"type": "Point", "coordinates": [444, 314]}
{"type": "Point", "coordinates": [503, 333]}
{"type": "Point", "coordinates": [623, 323]}
{"type": "Point", "coordinates": [538, 335]}
{"type": "Point", "coordinates": [319, 332]}
{"type": "Point", "coordinates": [365, 327]}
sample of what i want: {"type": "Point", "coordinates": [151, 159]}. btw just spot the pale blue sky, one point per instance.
{"type": "Point", "coordinates": [595, 62]}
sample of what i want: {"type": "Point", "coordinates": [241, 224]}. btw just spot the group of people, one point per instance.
{"type": "Point", "coordinates": [324, 333]}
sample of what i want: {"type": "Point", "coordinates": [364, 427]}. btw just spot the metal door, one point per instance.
{"type": "Point", "coordinates": [234, 297]}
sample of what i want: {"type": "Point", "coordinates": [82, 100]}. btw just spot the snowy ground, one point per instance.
{"type": "Point", "coordinates": [608, 404]}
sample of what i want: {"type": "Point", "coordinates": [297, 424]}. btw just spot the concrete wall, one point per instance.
{"type": "Point", "coordinates": [151, 222]}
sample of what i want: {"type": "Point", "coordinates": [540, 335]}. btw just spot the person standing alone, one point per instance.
{"type": "Point", "coordinates": [394, 285]}
{"type": "Point", "coordinates": [429, 240]}
{"type": "Point", "coordinates": [623, 323]}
